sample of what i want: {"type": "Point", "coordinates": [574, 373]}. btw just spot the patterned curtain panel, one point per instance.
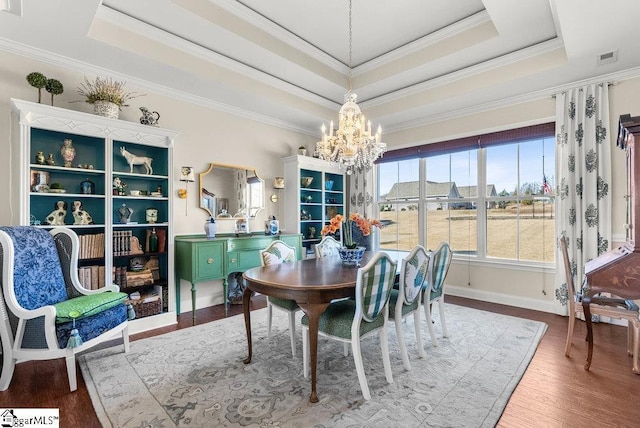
{"type": "Point", "coordinates": [583, 168]}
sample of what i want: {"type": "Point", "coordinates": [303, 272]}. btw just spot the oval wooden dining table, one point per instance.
{"type": "Point", "coordinates": [312, 283]}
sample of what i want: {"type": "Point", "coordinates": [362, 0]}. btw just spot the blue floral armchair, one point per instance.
{"type": "Point", "coordinates": [44, 311]}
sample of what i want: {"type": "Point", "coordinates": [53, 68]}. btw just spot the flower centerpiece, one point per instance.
{"type": "Point", "coordinates": [108, 96]}
{"type": "Point", "coordinates": [351, 253]}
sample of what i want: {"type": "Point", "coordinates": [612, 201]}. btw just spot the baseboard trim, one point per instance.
{"type": "Point", "coordinates": [501, 298]}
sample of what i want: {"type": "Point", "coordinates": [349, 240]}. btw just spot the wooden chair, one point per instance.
{"type": "Point", "coordinates": [279, 252]}
{"type": "Point", "coordinates": [44, 311]}
{"type": "Point", "coordinates": [605, 306]}
{"type": "Point", "coordinates": [433, 290]}
{"type": "Point", "coordinates": [405, 300]}
{"type": "Point", "coordinates": [350, 321]}
{"type": "Point", "coordinates": [327, 247]}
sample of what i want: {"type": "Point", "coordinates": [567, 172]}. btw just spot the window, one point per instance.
{"type": "Point", "coordinates": [492, 201]}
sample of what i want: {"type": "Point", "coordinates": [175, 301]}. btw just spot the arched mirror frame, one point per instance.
{"type": "Point", "coordinates": [221, 196]}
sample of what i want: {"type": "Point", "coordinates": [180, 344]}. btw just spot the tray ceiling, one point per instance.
{"type": "Point", "coordinates": [287, 61]}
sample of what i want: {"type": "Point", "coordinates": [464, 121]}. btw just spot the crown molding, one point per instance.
{"type": "Point", "coordinates": [204, 53]}
{"type": "Point", "coordinates": [83, 67]}
{"type": "Point", "coordinates": [419, 44]}
{"type": "Point", "coordinates": [611, 78]}
{"type": "Point", "coordinates": [467, 72]}
{"type": "Point", "coordinates": [259, 21]}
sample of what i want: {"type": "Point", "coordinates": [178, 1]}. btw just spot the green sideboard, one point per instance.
{"type": "Point", "coordinates": [198, 258]}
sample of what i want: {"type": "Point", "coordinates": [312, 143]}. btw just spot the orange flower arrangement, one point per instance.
{"type": "Point", "coordinates": [363, 224]}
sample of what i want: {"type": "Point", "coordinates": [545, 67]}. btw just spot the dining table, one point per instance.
{"type": "Point", "coordinates": [313, 284]}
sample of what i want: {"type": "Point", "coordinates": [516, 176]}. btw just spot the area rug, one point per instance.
{"type": "Point", "coordinates": [195, 377]}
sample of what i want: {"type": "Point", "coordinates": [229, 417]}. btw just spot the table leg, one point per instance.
{"type": "Point", "coordinates": [193, 301]}
{"type": "Point", "coordinates": [313, 312]}
{"type": "Point", "coordinates": [246, 302]}
{"type": "Point", "coordinates": [586, 307]}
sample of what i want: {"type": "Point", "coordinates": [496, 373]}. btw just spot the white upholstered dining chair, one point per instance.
{"type": "Point", "coordinates": [327, 247]}
{"type": "Point", "coordinates": [352, 320]}
{"type": "Point", "coordinates": [433, 290]}
{"type": "Point", "coordinates": [405, 300]}
{"type": "Point", "coordinates": [279, 252]}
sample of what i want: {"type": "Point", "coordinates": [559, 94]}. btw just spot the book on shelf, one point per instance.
{"type": "Point", "coordinates": [91, 246]}
{"type": "Point", "coordinates": [91, 277]}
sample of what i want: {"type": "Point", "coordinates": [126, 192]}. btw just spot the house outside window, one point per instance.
{"type": "Point", "coordinates": [434, 198]}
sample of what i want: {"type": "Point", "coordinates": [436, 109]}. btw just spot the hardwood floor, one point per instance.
{"type": "Point", "coordinates": [554, 392]}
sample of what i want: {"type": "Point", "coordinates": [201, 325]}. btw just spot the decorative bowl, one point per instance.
{"type": "Point", "coordinates": [134, 192]}
{"type": "Point", "coordinates": [306, 181]}
{"type": "Point", "coordinates": [351, 256]}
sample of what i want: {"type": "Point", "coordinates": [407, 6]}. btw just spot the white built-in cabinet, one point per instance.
{"type": "Point", "coordinates": [106, 245]}
{"type": "Point", "coordinates": [308, 208]}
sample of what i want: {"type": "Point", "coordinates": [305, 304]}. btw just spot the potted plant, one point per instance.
{"type": "Point", "coordinates": [37, 80]}
{"type": "Point", "coordinates": [54, 87]}
{"type": "Point", "coordinates": [108, 96]}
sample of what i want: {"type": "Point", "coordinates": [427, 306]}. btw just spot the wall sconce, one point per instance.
{"type": "Point", "coordinates": [186, 175]}
{"type": "Point", "coordinates": [278, 184]}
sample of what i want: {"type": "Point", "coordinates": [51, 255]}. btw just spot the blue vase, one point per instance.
{"type": "Point", "coordinates": [359, 238]}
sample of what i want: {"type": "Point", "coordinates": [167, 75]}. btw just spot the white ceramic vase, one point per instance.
{"type": "Point", "coordinates": [210, 228]}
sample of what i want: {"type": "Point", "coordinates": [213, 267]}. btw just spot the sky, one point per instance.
{"type": "Point", "coordinates": [502, 167]}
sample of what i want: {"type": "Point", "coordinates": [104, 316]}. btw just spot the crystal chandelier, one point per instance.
{"type": "Point", "coordinates": [352, 145]}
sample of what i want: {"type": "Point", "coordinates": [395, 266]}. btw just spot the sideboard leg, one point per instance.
{"type": "Point", "coordinates": [193, 301]}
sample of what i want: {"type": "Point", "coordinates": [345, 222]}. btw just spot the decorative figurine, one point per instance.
{"type": "Point", "coordinates": [137, 160]}
{"type": "Point", "coordinates": [118, 186]}
{"type": "Point", "coordinates": [50, 160]}
{"type": "Point", "coordinates": [40, 158]}
{"type": "Point", "coordinates": [68, 153]}
{"type": "Point", "coordinates": [80, 216]}
{"type": "Point", "coordinates": [56, 218]}
{"type": "Point", "coordinates": [311, 232]}
{"type": "Point", "coordinates": [148, 118]}
{"type": "Point", "coordinates": [152, 215]}
{"type": "Point", "coordinates": [125, 214]}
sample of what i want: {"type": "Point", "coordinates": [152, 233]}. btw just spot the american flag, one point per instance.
{"type": "Point", "coordinates": [546, 188]}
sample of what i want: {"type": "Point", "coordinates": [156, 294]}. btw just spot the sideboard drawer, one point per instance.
{"type": "Point", "coordinates": [239, 261]}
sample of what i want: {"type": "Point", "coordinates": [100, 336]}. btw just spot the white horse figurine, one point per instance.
{"type": "Point", "coordinates": [137, 160]}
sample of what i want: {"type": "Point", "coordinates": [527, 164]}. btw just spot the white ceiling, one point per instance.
{"type": "Point", "coordinates": [287, 61]}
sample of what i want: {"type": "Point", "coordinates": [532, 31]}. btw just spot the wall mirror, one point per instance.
{"type": "Point", "coordinates": [228, 191]}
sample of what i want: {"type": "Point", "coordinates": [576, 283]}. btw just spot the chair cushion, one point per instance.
{"type": "Point", "coordinates": [406, 309]}
{"type": "Point", "coordinates": [37, 275]}
{"type": "Point", "coordinates": [337, 319]}
{"type": "Point", "coordinates": [278, 253]}
{"type": "Point", "coordinates": [86, 306]}
{"type": "Point", "coordinates": [287, 304]}
{"type": "Point", "coordinates": [92, 326]}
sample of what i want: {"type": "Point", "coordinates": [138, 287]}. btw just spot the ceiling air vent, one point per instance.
{"type": "Point", "coordinates": [607, 57]}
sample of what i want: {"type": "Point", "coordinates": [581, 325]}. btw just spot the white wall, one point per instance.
{"type": "Point", "coordinates": [206, 135]}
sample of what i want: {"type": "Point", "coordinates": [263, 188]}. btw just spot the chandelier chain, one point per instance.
{"type": "Point", "coordinates": [350, 47]}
